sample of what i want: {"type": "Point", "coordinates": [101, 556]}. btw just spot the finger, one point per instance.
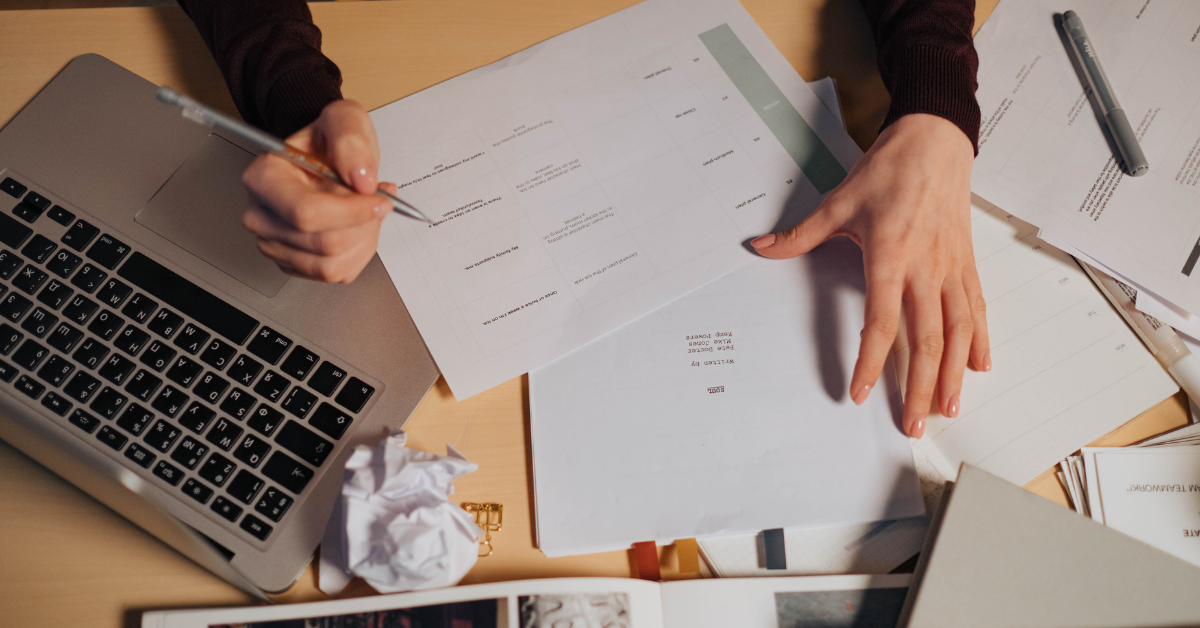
{"type": "Point", "coordinates": [346, 137]}
{"type": "Point", "coordinates": [881, 321]}
{"type": "Point", "coordinates": [336, 269]}
{"type": "Point", "coordinates": [926, 343]}
{"type": "Point", "coordinates": [958, 332]}
{"type": "Point", "coordinates": [981, 348]}
{"type": "Point", "coordinates": [261, 223]}
{"type": "Point", "coordinates": [295, 200]}
{"type": "Point", "coordinates": [818, 227]}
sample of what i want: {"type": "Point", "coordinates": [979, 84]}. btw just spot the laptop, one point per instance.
{"type": "Point", "coordinates": [150, 355]}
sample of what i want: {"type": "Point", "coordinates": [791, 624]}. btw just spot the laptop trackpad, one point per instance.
{"type": "Point", "coordinates": [199, 209]}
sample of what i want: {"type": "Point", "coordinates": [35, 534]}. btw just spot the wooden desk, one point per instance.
{"type": "Point", "coordinates": [66, 560]}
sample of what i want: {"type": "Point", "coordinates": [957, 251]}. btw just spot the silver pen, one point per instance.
{"type": "Point", "coordinates": [197, 112]}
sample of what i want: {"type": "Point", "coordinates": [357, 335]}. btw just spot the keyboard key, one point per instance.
{"type": "Point", "coordinates": [299, 402]}
{"type": "Point", "coordinates": [227, 509]}
{"type": "Point", "coordinates": [11, 187]}
{"type": "Point", "coordinates": [244, 369]}
{"type": "Point", "coordinates": [55, 294]}
{"type": "Point", "coordinates": [82, 387]}
{"type": "Point", "coordinates": [40, 322]}
{"type": "Point", "coordinates": [190, 452]}
{"type": "Point", "coordinates": [139, 308]}
{"type": "Point", "coordinates": [64, 263]}
{"type": "Point", "coordinates": [112, 438]}
{"type": "Point", "coordinates": [327, 378]}
{"type": "Point", "coordinates": [162, 436]}
{"type": "Point", "coordinates": [80, 309]}
{"type": "Point", "coordinates": [79, 235]}
{"type": "Point", "coordinates": [39, 248]}
{"type": "Point", "coordinates": [158, 356]}
{"type": "Point", "coordinates": [256, 527]}
{"type": "Point", "coordinates": [30, 279]}
{"type": "Point", "coordinates": [207, 309]}
{"type": "Point", "coordinates": [108, 403]}
{"type": "Point", "coordinates": [165, 323]}
{"type": "Point", "coordinates": [9, 337]}
{"type": "Point", "coordinates": [168, 473]}
{"type": "Point", "coordinates": [224, 434]}
{"type": "Point", "coordinates": [273, 504]}
{"type": "Point", "coordinates": [142, 385]}
{"type": "Point", "coordinates": [291, 474]}
{"type": "Point", "coordinates": [330, 421]}
{"type": "Point", "coordinates": [210, 387]}
{"type": "Point", "coordinates": [64, 338]}
{"type": "Point", "coordinates": [184, 371]}
{"type": "Point", "coordinates": [30, 387]}
{"type": "Point", "coordinates": [252, 450]}
{"type": "Point", "coordinates": [140, 455]}
{"type": "Point", "coordinates": [299, 362]}
{"type": "Point", "coordinates": [218, 353]}
{"type": "Point", "coordinates": [7, 372]}
{"type": "Point", "coordinates": [135, 419]}
{"type": "Point", "coordinates": [84, 421]}
{"type": "Point", "coordinates": [56, 371]}
{"type": "Point", "coordinates": [217, 469]}
{"type": "Point", "coordinates": [27, 212]}
{"type": "Point", "coordinates": [269, 345]}
{"type": "Point", "coordinates": [192, 339]}
{"type": "Point", "coordinates": [304, 443]}
{"type": "Point", "coordinates": [12, 232]}
{"type": "Point", "coordinates": [56, 403]}
{"type": "Point", "coordinates": [245, 486]}
{"type": "Point", "coordinates": [117, 368]}
{"type": "Point", "coordinates": [272, 386]}
{"type": "Point", "coordinates": [89, 278]}
{"type": "Point", "coordinates": [108, 251]}
{"type": "Point", "coordinates": [60, 215]}
{"type": "Point", "coordinates": [14, 306]}
{"type": "Point", "coordinates": [90, 353]}
{"type": "Point", "coordinates": [355, 395]}
{"type": "Point", "coordinates": [30, 355]}
{"type": "Point", "coordinates": [197, 417]}
{"type": "Point", "coordinates": [265, 419]}
{"type": "Point", "coordinates": [9, 263]}
{"type": "Point", "coordinates": [37, 200]}
{"type": "Point", "coordinates": [114, 293]}
{"type": "Point", "coordinates": [131, 340]}
{"type": "Point", "coordinates": [197, 491]}
{"type": "Point", "coordinates": [238, 403]}
{"type": "Point", "coordinates": [106, 325]}
{"type": "Point", "coordinates": [170, 401]}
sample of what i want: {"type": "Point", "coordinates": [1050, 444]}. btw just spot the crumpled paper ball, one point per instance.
{"type": "Point", "coordinates": [394, 526]}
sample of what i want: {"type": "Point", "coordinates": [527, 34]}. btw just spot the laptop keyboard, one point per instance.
{"type": "Point", "coordinates": [181, 386]}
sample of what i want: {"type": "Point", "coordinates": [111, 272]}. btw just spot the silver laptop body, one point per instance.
{"type": "Point", "coordinates": [151, 356]}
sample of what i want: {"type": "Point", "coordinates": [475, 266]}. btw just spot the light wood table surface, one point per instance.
{"type": "Point", "coordinates": [65, 560]}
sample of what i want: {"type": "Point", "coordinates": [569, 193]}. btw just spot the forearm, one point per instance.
{"type": "Point", "coordinates": [269, 52]}
{"type": "Point", "coordinates": [927, 59]}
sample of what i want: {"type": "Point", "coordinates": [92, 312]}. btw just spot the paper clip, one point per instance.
{"type": "Point", "coordinates": [488, 517]}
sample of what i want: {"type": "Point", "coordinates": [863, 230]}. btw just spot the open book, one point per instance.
{"type": "Point", "coordinates": [827, 601]}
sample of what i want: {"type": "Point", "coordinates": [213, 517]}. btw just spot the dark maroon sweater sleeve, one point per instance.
{"type": "Point", "coordinates": [270, 54]}
{"type": "Point", "coordinates": [927, 59]}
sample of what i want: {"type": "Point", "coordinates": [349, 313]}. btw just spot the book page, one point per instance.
{"type": "Point", "coordinates": [594, 177]}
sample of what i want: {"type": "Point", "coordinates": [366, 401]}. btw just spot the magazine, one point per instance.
{"type": "Point", "coordinates": [826, 601]}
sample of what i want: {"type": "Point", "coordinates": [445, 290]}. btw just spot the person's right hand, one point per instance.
{"type": "Point", "coordinates": [309, 226]}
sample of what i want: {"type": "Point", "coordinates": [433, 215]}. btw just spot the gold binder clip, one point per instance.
{"type": "Point", "coordinates": [488, 517]}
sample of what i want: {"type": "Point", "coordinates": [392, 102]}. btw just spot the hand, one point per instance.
{"type": "Point", "coordinates": [907, 205]}
{"type": "Point", "coordinates": [309, 226]}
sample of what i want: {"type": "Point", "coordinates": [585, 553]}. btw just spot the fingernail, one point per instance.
{"type": "Point", "coordinates": [362, 180]}
{"type": "Point", "coordinates": [952, 406]}
{"type": "Point", "coordinates": [383, 208]}
{"type": "Point", "coordinates": [861, 395]}
{"type": "Point", "coordinates": [762, 241]}
{"type": "Point", "coordinates": [917, 429]}
{"type": "Point", "coordinates": [987, 361]}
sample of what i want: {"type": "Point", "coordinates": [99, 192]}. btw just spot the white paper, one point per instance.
{"type": "Point", "coordinates": [586, 181]}
{"type": "Point", "coordinates": [724, 412]}
{"type": "Point", "coordinates": [1066, 368]}
{"type": "Point", "coordinates": [1044, 155]}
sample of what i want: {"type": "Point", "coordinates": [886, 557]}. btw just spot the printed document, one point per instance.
{"type": "Point", "coordinates": [725, 412]}
{"type": "Point", "coordinates": [594, 177]}
{"type": "Point", "coordinates": [1045, 156]}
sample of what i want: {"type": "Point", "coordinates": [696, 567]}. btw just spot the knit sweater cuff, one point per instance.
{"type": "Point", "coordinates": [933, 80]}
{"type": "Point", "coordinates": [296, 98]}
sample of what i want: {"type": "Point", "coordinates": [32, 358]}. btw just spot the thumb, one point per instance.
{"type": "Point", "coordinates": [350, 144]}
{"type": "Point", "coordinates": [804, 237]}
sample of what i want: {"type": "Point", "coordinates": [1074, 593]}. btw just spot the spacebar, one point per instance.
{"type": "Point", "coordinates": [190, 299]}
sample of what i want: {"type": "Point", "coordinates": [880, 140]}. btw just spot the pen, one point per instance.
{"type": "Point", "coordinates": [197, 112]}
{"type": "Point", "coordinates": [1114, 115]}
